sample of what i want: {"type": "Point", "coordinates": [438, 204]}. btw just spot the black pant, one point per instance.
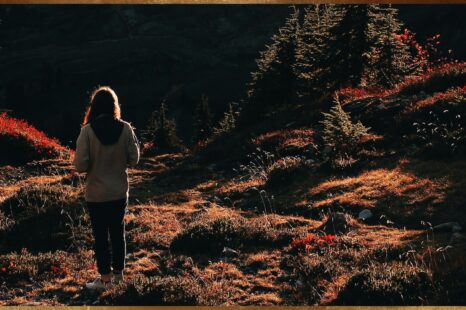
{"type": "Point", "coordinates": [108, 218]}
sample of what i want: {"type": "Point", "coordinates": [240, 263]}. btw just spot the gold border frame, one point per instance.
{"type": "Point", "coordinates": [221, 2]}
{"type": "Point", "coordinates": [195, 2]}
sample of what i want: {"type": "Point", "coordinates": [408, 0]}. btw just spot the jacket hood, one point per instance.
{"type": "Point", "coordinates": [107, 129]}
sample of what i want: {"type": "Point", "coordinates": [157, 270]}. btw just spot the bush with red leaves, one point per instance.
{"type": "Point", "coordinates": [21, 142]}
{"type": "Point", "coordinates": [311, 243]}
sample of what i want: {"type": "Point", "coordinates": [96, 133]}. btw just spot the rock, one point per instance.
{"type": "Point", "coordinates": [380, 107]}
{"type": "Point", "coordinates": [458, 238]}
{"type": "Point", "coordinates": [230, 252]}
{"type": "Point", "coordinates": [327, 150]}
{"type": "Point", "coordinates": [448, 227]}
{"type": "Point", "coordinates": [337, 222]}
{"type": "Point", "coordinates": [365, 214]}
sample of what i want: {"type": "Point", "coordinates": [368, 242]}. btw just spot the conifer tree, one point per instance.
{"type": "Point", "coordinates": [274, 81]}
{"type": "Point", "coordinates": [162, 132]}
{"type": "Point", "coordinates": [228, 122]}
{"type": "Point", "coordinates": [351, 45]}
{"type": "Point", "coordinates": [366, 51]}
{"type": "Point", "coordinates": [313, 49]}
{"type": "Point", "coordinates": [389, 59]}
{"type": "Point", "coordinates": [339, 133]}
{"type": "Point", "coordinates": [202, 120]}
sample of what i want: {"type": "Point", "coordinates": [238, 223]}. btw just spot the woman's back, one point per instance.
{"type": "Point", "coordinates": [105, 148]}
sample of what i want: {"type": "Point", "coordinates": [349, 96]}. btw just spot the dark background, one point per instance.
{"type": "Point", "coordinates": [51, 56]}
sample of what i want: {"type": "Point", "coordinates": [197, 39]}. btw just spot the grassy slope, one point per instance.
{"type": "Point", "coordinates": [182, 213]}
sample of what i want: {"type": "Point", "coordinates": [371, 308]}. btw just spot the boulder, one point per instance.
{"type": "Point", "coordinates": [365, 214]}
{"type": "Point", "coordinates": [448, 227]}
{"type": "Point", "coordinates": [337, 223]}
{"type": "Point", "coordinates": [228, 252]}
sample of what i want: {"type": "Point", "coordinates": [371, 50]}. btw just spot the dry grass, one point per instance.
{"type": "Point", "coordinates": [263, 272]}
{"type": "Point", "coordinates": [281, 139]}
{"type": "Point", "coordinates": [152, 226]}
{"type": "Point", "coordinates": [239, 187]}
{"type": "Point", "coordinates": [396, 191]}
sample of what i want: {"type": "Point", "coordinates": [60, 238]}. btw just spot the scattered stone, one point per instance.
{"type": "Point", "coordinates": [327, 150]}
{"type": "Point", "coordinates": [365, 214]}
{"type": "Point", "coordinates": [230, 252]}
{"type": "Point", "coordinates": [337, 222]}
{"type": "Point", "coordinates": [381, 106]}
{"type": "Point", "coordinates": [448, 227]}
{"type": "Point", "coordinates": [457, 238]}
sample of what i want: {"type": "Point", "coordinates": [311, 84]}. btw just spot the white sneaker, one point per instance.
{"type": "Point", "coordinates": [97, 284]}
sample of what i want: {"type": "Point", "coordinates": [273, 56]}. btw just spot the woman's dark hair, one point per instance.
{"type": "Point", "coordinates": [103, 101]}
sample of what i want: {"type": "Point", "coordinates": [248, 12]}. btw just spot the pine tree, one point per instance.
{"type": "Point", "coordinates": [313, 49]}
{"type": "Point", "coordinates": [274, 81]}
{"type": "Point", "coordinates": [339, 133]}
{"type": "Point", "coordinates": [202, 121]}
{"type": "Point", "coordinates": [227, 123]}
{"type": "Point", "coordinates": [351, 45]}
{"type": "Point", "coordinates": [366, 51]}
{"type": "Point", "coordinates": [162, 132]}
{"type": "Point", "coordinates": [389, 59]}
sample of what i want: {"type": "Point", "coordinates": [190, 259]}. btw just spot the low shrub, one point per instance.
{"type": "Point", "coordinates": [22, 143]}
{"type": "Point", "coordinates": [311, 243]}
{"type": "Point", "coordinates": [437, 80]}
{"type": "Point", "coordinates": [22, 266]}
{"type": "Point", "coordinates": [45, 217]}
{"type": "Point", "coordinates": [287, 170]}
{"type": "Point", "coordinates": [339, 133]}
{"type": "Point", "coordinates": [441, 134]}
{"type": "Point", "coordinates": [213, 234]}
{"type": "Point", "coordinates": [157, 291]}
{"type": "Point", "coordinates": [210, 234]}
{"type": "Point", "coordinates": [396, 283]}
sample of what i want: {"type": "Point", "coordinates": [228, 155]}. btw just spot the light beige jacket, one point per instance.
{"type": "Point", "coordinates": [106, 165]}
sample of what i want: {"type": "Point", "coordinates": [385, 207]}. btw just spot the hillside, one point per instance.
{"type": "Point", "coordinates": [53, 55]}
{"type": "Point", "coordinates": [201, 234]}
{"type": "Point", "coordinates": [338, 180]}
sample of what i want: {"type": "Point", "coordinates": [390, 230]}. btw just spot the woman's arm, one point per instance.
{"type": "Point", "coordinates": [133, 148]}
{"type": "Point", "coordinates": [81, 157]}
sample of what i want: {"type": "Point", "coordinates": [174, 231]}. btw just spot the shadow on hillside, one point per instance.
{"type": "Point", "coordinates": [167, 185]}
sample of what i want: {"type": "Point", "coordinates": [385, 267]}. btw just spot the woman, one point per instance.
{"type": "Point", "coordinates": [105, 148]}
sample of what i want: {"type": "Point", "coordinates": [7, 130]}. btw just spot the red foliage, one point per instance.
{"type": "Point", "coordinates": [428, 55]}
{"type": "Point", "coordinates": [8, 267]}
{"type": "Point", "coordinates": [437, 97]}
{"type": "Point", "coordinates": [350, 93]}
{"type": "Point", "coordinates": [437, 71]}
{"type": "Point", "coordinates": [148, 146]}
{"type": "Point", "coordinates": [451, 68]}
{"type": "Point", "coordinates": [311, 242]}
{"type": "Point", "coordinates": [18, 132]}
{"type": "Point", "coordinates": [59, 270]}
